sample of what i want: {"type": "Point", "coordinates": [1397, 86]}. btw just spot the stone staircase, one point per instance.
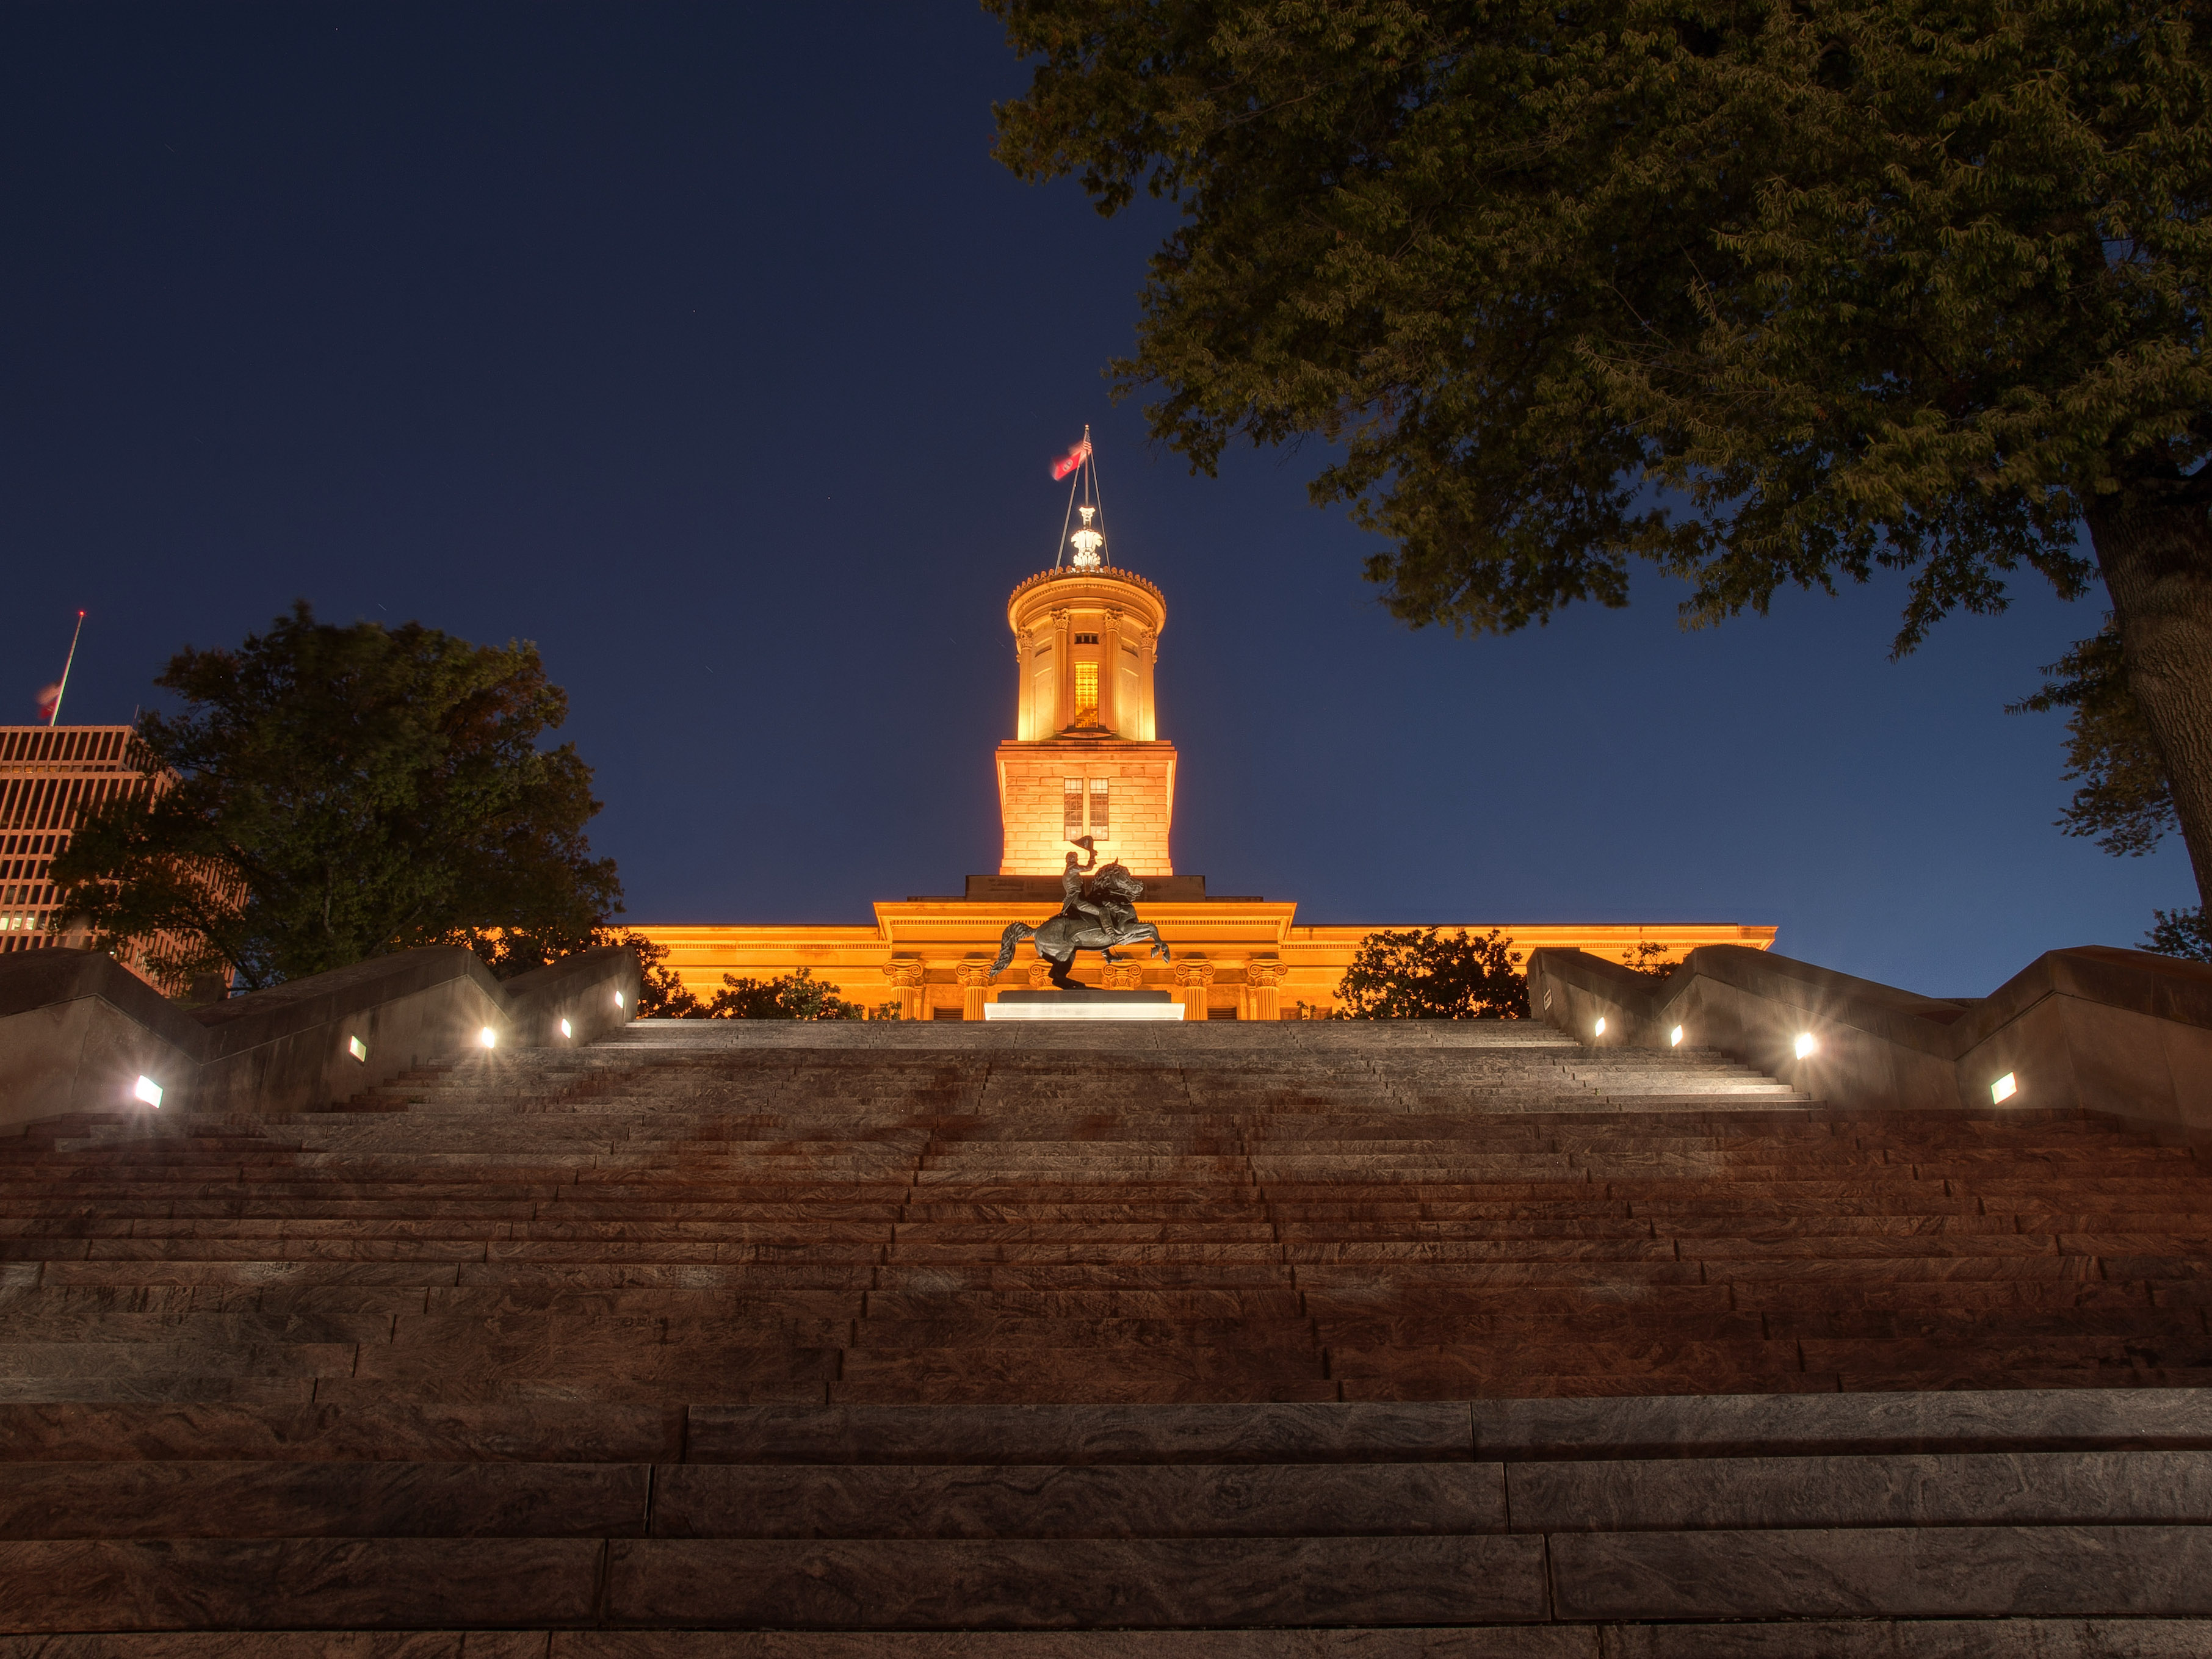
{"type": "Point", "coordinates": [1416, 1338]}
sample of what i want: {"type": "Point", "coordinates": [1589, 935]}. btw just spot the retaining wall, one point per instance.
{"type": "Point", "coordinates": [77, 1031]}
{"type": "Point", "coordinates": [2111, 1030]}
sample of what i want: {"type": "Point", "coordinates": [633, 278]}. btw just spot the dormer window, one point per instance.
{"type": "Point", "coordinates": [1086, 639]}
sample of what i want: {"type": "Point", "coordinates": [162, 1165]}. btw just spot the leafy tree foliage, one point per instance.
{"type": "Point", "coordinates": [2124, 799]}
{"type": "Point", "coordinates": [788, 996]}
{"type": "Point", "coordinates": [2181, 933]}
{"type": "Point", "coordinates": [1649, 959]}
{"type": "Point", "coordinates": [1416, 973]}
{"type": "Point", "coordinates": [1859, 283]}
{"type": "Point", "coordinates": [347, 791]}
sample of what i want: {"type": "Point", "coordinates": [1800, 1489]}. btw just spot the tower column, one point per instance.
{"type": "Point", "coordinates": [1109, 676]}
{"type": "Point", "coordinates": [1063, 675]}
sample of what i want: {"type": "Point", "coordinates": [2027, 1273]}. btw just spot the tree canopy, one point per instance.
{"type": "Point", "coordinates": [2124, 799]}
{"type": "Point", "coordinates": [344, 792]}
{"type": "Point", "coordinates": [787, 996]}
{"type": "Point", "coordinates": [1418, 973]}
{"type": "Point", "coordinates": [1765, 294]}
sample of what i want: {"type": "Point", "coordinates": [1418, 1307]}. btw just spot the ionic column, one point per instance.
{"type": "Point", "coordinates": [975, 977]}
{"type": "Point", "coordinates": [1262, 1000]}
{"type": "Point", "coordinates": [906, 973]}
{"type": "Point", "coordinates": [1193, 978]}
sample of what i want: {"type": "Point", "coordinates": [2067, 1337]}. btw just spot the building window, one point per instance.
{"type": "Point", "coordinates": [1086, 639]}
{"type": "Point", "coordinates": [1086, 693]}
{"type": "Point", "coordinates": [1100, 824]}
{"type": "Point", "coordinates": [1070, 797]}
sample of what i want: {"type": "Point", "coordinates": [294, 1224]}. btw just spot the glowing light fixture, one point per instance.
{"type": "Point", "coordinates": [1086, 543]}
{"type": "Point", "coordinates": [357, 1049]}
{"type": "Point", "coordinates": [488, 1037]}
{"type": "Point", "coordinates": [148, 1090]}
{"type": "Point", "coordinates": [2004, 1088]}
{"type": "Point", "coordinates": [1601, 1029]}
{"type": "Point", "coordinates": [564, 1028]}
{"type": "Point", "coordinates": [618, 1000]}
{"type": "Point", "coordinates": [1675, 1037]}
{"type": "Point", "coordinates": [1805, 1044]}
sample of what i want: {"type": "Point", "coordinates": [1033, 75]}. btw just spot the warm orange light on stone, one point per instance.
{"type": "Point", "coordinates": [926, 957]}
{"type": "Point", "coordinates": [1075, 630]}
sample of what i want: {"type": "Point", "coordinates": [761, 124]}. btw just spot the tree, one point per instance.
{"type": "Point", "coordinates": [787, 996]}
{"type": "Point", "coordinates": [1650, 959]}
{"type": "Point", "coordinates": [1415, 973]}
{"type": "Point", "coordinates": [2125, 800]}
{"type": "Point", "coordinates": [344, 792]}
{"type": "Point", "coordinates": [1763, 295]}
{"type": "Point", "coordinates": [2183, 934]}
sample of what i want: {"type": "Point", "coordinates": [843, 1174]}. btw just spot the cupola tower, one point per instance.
{"type": "Point", "coordinates": [1086, 758]}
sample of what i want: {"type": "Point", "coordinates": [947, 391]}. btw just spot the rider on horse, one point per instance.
{"type": "Point", "coordinates": [1094, 915]}
{"type": "Point", "coordinates": [1075, 902]}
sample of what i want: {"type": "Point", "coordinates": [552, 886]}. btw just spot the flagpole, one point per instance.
{"type": "Point", "coordinates": [1074, 483]}
{"type": "Point", "coordinates": [62, 691]}
{"type": "Point", "coordinates": [1097, 494]}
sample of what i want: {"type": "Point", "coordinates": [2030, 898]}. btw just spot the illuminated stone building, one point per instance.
{"type": "Point", "coordinates": [1087, 757]}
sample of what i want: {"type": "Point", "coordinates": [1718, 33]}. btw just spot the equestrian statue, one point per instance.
{"type": "Point", "coordinates": [1095, 915]}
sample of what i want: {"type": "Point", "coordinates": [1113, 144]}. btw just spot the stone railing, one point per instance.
{"type": "Point", "coordinates": [78, 1033]}
{"type": "Point", "coordinates": [2111, 1031]}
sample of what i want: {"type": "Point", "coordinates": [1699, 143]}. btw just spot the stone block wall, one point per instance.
{"type": "Point", "coordinates": [1032, 776]}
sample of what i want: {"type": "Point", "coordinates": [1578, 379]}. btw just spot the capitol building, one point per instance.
{"type": "Point", "coordinates": [1088, 757]}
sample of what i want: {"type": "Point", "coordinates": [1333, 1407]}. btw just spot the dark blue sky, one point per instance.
{"type": "Point", "coordinates": [707, 347]}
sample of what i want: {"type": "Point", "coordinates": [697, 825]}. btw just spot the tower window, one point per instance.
{"type": "Point", "coordinates": [1086, 639]}
{"type": "Point", "coordinates": [1075, 795]}
{"type": "Point", "coordinates": [1086, 693]}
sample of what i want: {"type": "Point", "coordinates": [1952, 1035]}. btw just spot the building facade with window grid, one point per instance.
{"type": "Point", "coordinates": [51, 777]}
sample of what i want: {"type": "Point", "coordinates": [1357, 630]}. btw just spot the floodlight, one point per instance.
{"type": "Point", "coordinates": [564, 1028]}
{"type": "Point", "coordinates": [1675, 1037]}
{"type": "Point", "coordinates": [618, 1000]}
{"type": "Point", "coordinates": [149, 1091]}
{"type": "Point", "coordinates": [2003, 1089]}
{"type": "Point", "coordinates": [1601, 1029]}
{"type": "Point", "coordinates": [488, 1037]}
{"type": "Point", "coordinates": [1805, 1044]}
{"type": "Point", "coordinates": [357, 1049]}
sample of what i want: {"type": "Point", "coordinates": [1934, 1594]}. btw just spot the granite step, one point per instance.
{"type": "Point", "coordinates": [730, 1329]}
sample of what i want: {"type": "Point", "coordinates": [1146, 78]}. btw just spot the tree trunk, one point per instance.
{"type": "Point", "coordinates": [2156, 556]}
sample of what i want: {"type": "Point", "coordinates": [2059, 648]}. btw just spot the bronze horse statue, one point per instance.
{"type": "Point", "coordinates": [1116, 892]}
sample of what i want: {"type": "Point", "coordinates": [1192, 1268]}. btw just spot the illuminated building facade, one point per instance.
{"type": "Point", "coordinates": [50, 777]}
{"type": "Point", "coordinates": [1087, 758]}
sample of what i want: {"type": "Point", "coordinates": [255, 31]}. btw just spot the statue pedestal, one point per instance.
{"type": "Point", "coordinates": [1083, 1003]}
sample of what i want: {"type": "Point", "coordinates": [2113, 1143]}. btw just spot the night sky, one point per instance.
{"type": "Point", "coordinates": [707, 347]}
